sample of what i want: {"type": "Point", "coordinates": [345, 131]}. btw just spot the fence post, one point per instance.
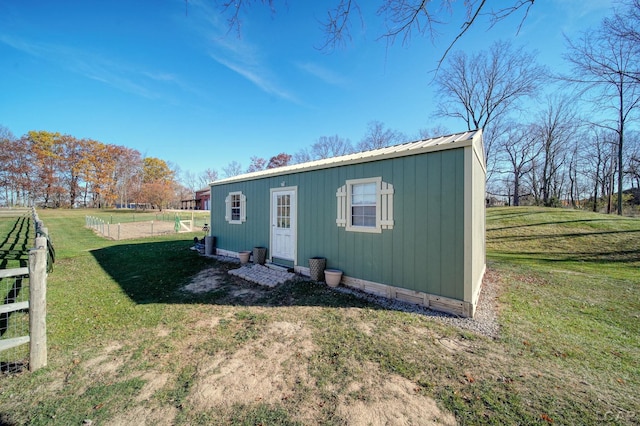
{"type": "Point", "coordinates": [38, 305]}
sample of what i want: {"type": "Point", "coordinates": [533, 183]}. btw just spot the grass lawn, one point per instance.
{"type": "Point", "coordinates": [127, 345]}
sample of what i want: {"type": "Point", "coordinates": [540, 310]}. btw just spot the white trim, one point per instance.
{"type": "Point", "coordinates": [229, 208]}
{"type": "Point", "coordinates": [467, 225]}
{"type": "Point", "coordinates": [341, 214]}
{"type": "Point", "coordinates": [293, 218]}
{"type": "Point", "coordinates": [384, 205]}
{"type": "Point", "coordinates": [377, 228]}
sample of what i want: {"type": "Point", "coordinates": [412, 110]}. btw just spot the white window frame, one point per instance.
{"type": "Point", "coordinates": [229, 208]}
{"type": "Point", "coordinates": [384, 205]}
{"type": "Point", "coordinates": [350, 184]}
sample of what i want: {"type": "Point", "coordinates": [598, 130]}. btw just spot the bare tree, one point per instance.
{"type": "Point", "coordinates": [379, 137]}
{"type": "Point", "coordinates": [432, 132]}
{"type": "Point", "coordinates": [520, 151]}
{"type": "Point", "coordinates": [190, 181]}
{"type": "Point", "coordinates": [302, 156]}
{"type": "Point", "coordinates": [402, 18]}
{"type": "Point", "coordinates": [604, 64]}
{"type": "Point", "coordinates": [208, 176]}
{"type": "Point", "coordinates": [632, 163]}
{"type": "Point", "coordinates": [232, 169]}
{"type": "Point", "coordinates": [574, 189]}
{"type": "Point", "coordinates": [330, 146]}
{"type": "Point", "coordinates": [555, 130]}
{"type": "Point", "coordinates": [257, 164]}
{"type": "Point", "coordinates": [486, 86]}
{"type": "Point", "coordinates": [625, 25]}
{"type": "Point", "coordinates": [598, 157]}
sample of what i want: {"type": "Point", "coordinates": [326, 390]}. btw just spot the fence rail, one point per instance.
{"type": "Point", "coordinates": [23, 313]}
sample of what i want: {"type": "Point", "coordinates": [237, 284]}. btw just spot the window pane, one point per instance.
{"type": "Point", "coordinates": [363, 216]}
{"type": "Point", "coordinates": [363, 193]}
{"type": "Point", "coordinates": [369, 221]}
{"type": "Point", "coordinates": [363, 204]}
{"type": "Point", "coordinates": [283, 211]}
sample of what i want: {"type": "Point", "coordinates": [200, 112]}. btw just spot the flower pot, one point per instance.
{"type": "Point", "coordinates": [259, 255]}
{"type": "Point", "coordinates": [316, 268]}
{"type": "Point", "coordinates": [244, 257]}
{"type": "Point", "coordinates": [332, 277]}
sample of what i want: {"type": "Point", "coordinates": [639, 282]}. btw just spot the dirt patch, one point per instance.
{"type": "Point", "coordinates": [145, 416]}
{"type": "Point", "coordinates": [390, 399]}
{"type": "Point", "coordinates": [132, 230]}
{"type": "Point", "coordinates": [107, 363]}
{"type": "Point", "coordinates": [154, 382]}
{"type": "Point", "coordinates": [204, 281]}
{"type": "Point", "coordinates": [266, 370]}
{"type": "Point", "coordinates": [454, 346]}
{"type": "Point", "coordinates": [238, 290]}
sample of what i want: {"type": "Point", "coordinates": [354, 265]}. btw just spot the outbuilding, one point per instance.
{"type": "Point", "coordinates": [404, 222]}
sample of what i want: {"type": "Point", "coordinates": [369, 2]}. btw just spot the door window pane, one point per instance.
{"type": "Point", "coordinates": [283, 211]}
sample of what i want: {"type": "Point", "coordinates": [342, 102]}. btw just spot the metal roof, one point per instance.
{"type": "Point", "coordinates": [456, 140]}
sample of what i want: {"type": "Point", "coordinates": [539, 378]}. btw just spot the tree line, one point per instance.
{"type": "Point", "coordinates": [50, 169]}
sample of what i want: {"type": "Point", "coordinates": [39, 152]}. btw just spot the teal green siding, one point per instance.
{"type": "Point", "coordinates": [424, 251]}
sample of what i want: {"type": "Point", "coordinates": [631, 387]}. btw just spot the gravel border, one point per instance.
{"type": "Point", "coordinates": [485, 321]}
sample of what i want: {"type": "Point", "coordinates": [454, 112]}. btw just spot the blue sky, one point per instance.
{"type": "Point", "coordinates": [168, 79]}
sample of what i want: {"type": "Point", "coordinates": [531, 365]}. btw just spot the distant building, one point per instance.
{"type": "Point", "coordinates": [201, 201]}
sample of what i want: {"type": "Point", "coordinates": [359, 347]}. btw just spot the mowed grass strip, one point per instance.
{"type": "Point", "coordinates": [127, 345]}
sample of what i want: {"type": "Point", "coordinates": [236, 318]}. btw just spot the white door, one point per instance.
{"type": "Point", "coordinates": [283, 224]}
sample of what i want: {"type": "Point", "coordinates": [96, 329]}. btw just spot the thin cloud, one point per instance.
{"type": "Point", "coordinates": [94, 67]}
{"type": "Point", "coordinates": [323, 73]}
{"type": "Point", "coordinates": [238, 55]}
{"type": "Point", "coordinates": [255, 76]}
{"type": "Point", "coordinates": [576, 11]}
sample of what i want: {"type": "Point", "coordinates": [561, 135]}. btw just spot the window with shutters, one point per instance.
{"type": "Point", "coordinates": [236, 204]}
{"type": "Point", "coordinates": [365, 205]}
